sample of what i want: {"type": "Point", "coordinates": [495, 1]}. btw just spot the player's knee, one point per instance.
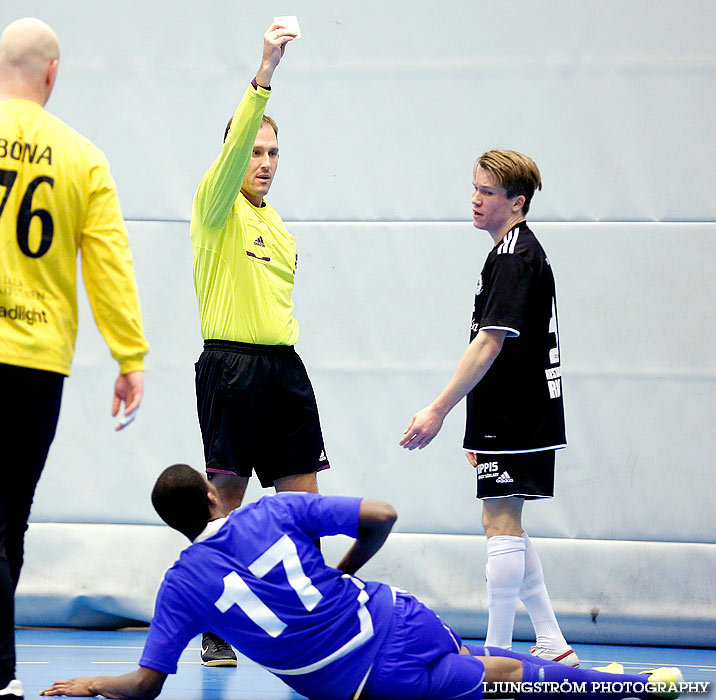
{"type": "Point", "coordinates": [502, 517]}
{"type": "Point", "coordinates": [488, 524]}
{"type": "Point", "coordinates": [495, 526]}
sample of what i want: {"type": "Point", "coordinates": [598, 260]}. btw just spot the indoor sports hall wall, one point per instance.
{"type": "Point", "coordinates": [382, 108]}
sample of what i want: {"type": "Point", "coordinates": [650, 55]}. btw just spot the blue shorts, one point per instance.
{"type": "Point", "coordinates": [420, 659]}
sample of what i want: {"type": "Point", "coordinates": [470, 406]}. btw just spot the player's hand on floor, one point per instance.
{"type": "Point", "coordinates": [75, 687]}
{"type": "Point", "coordinates": [423, 428]}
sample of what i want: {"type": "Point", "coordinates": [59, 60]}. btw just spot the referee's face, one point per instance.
{"type": "Point", "coordinates": [262, 167]}
{"type": "Point", "coordinates": [491, 209]}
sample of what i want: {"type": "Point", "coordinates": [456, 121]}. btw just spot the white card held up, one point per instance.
{"type": "Point", "coordinates": [290, 22]}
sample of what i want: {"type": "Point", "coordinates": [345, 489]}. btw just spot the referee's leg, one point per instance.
{"type": "Point", "coordinates": [297, 482]}
{"type": "Point", "coordinates": [231, 488]}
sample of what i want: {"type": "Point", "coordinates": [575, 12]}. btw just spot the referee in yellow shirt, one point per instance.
{"type": "Point", "coordinates": [255, 402]}
{"type": "Point", "coordinates": [56, 198]}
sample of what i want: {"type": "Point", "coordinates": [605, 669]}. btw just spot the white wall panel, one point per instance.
{"type": "Point", "coordinates": [384, 311]}
{"type": "Point", "coordinates": [95, 474]}
{"type": "Point", "coordinates": [602, 591]}
{"type": "Point", "coordinates": [637, 594]}
{"type": "Point", "coordinates": [382, 109]}
{"type": "Point", "coordinates": [103, 576]}
{"type": "Point", "coordinates": [384, 106]}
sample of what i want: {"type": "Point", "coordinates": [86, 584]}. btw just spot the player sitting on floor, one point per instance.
{"type": "Point", "coordinates": [256, 578]}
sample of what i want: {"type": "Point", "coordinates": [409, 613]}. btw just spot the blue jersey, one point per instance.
{"type": "Point", "coordinates": [257, 580]}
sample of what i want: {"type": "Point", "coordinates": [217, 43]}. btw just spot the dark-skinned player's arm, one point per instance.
{"type": "Point", "coordinates": [375, 521]}
{"type": "Point", "coordinates": [142, 683]}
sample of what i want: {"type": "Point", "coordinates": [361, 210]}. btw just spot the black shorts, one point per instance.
{"type": "Point", "coordinates": [526, 474]}
{"type": "Point", "coordinates": [257, 412]}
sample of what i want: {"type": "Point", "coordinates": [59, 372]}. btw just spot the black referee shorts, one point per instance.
{"type": "Point", "coordinates": [528, 475]}
{"type": "Point", "coordinates": [257, 412]}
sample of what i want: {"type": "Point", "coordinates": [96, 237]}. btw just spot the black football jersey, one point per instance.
{"type": "Point", "coordinates": [517, 406]}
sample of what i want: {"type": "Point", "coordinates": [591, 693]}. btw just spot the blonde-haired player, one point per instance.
{"type": "Point", "coordinates": [511, 375]}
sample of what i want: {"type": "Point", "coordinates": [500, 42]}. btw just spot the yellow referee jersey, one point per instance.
{"type": "Point", "coordinates": [57, 197]}
{"type": "Point", "coordinates": [244, 258]}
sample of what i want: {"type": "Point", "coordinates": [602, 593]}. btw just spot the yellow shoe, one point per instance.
{"type": "Point", "coordinates": [613, 667]}
{"type": "Point", "coordinates": [665, 682]}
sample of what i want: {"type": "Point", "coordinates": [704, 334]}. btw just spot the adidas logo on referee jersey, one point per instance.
{"type": "Point", "coordinates": [260, 242]}
{"type": "Point", "coordinates": [504, 478]}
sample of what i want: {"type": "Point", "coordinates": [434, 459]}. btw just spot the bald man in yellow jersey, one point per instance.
{"type": "Point", "coordinates": [56, 198]}
{"type": "Point", "coordinates": [255, 402]}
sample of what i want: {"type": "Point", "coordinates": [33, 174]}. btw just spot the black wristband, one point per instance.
{"type": "Point", "coordinates": [256, 85]}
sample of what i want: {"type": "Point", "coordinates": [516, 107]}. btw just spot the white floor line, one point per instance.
{"type": "Point", "coordinates": [650, 664]}
{"type": "Point", "coordinates": [73, 646]}
{"type": "Point", "coordinates": [85, 646]}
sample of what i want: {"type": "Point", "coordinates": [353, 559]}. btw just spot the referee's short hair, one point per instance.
{"type": "Point", "coordinates": [516, 172]}
{"type": "Point", "coordinates": [180, 499]}
{"type": "Point", "coordinates": [265, 119]}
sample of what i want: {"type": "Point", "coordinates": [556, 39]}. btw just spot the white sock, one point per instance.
{"type": "Point", "coordinates": [505, 570]}
{"type": "Point", "coordinates": [12, 690]}
{"type": "Point", "coordinates": [533, 594]}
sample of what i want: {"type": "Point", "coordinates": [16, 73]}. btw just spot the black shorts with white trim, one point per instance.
{"type": "Point", "coordinates": [526, 475]}
{"type": "Point", "coordinates": [257, 412]}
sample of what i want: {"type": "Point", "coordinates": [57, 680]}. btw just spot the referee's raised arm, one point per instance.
{"type": "Point", "coordinates": [275, 40]}
{"type": "Point", "coordinates": [222, 183]}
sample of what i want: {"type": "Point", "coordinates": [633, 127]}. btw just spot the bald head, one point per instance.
{"type": "Point", "coordinates": [29, 54]}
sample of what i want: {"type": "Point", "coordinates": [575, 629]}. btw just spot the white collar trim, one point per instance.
{"type": "Point", "coordinates": [212, 527]}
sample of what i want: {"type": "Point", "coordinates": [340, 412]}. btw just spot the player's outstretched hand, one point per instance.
{"type": "Point", "coordinates": [75, 687]}
{"type": "Point", "coordinates": [130, 389]}
{"type": "Point", "coordinates": [423, 428]}
{"type": "Point", "coordinates": [275, 40]}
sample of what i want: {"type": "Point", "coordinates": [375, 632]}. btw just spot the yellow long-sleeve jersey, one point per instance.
{"type": "Point", "coordinates": [244, 258]}
{"type": "Point", "coordinates": [57, 197]}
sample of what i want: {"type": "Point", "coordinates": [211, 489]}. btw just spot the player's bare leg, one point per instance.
{"type": "Point", "coordinates": [231, 488]}
{"type": "Point", "coordinates": [297, 482]}
{"type": "Point", "coordinates": [502, 516]}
